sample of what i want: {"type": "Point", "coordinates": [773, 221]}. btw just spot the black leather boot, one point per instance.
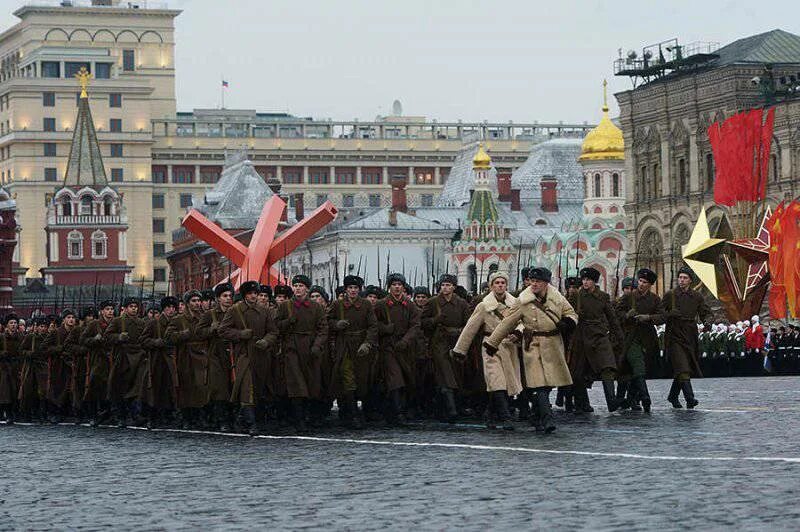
{"type": "Point", "coordinates": [395, 413]}
{"type": "Point", "coordinates": [349, 408]}
{"type": "Point", "coordinates": [450, 405]}
{"type": "Point", "coordinates": [569, 399]}
{"type": "Point", "coordinates": [299, 414]}
{"type": "Point", "coordinates": [249, 417]}
{"type": "Point", "coordinates": [611, 398]}
{"type": "Point", "coordinates": [688, 394]}
{"type": "Point", "coordinates": [221, 416]}
{"type": "Point", "coordinates": [560, 397]}
{"type": "Point", "coordinates": [622, 394]}
{"type": "Point", "coordinates": [642, 394]}
{"type": "Point", "coordinates": [674, 390]}
{"type": "Point", "coordinates": [121, 413]}
{"type": "Point", "coordinates": [581, 395]}
{"type": "Point", "coordinates": [546, 421]}
{"type": "Point", "coordinates": [524, 405]}
{"type": "Point", "coordinates": [500, 407]}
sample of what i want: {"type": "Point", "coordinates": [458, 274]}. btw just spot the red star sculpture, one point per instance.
{"type": "Point", "coordinates": [255, 260]}
{"type": "Point", "coordinates": [755, 252]}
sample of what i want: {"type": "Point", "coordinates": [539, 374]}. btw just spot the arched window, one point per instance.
{"type": "Point", "coordinates": [656, 176]}
{"type": "Point", "coordinates": [596, 191]}
{"type": "Point", "coordinates": [681, 176]}
{"type": "Point", "coordinates": [773, 167]}
{"type": "Point", "coordinates": [99, 245]}
{"type": "Point", "coordinates": [107, 206]}
{"type": "Point", "coordinates": [709, 171]}
{"type": "Point", "coordinates": [75, 245]}
{"type": "Point", "coordinates": [66, 207]}
{"type": "Point", "coordinates": [615, 185]}
{"type": "Point", "coordinates": [86, 206]}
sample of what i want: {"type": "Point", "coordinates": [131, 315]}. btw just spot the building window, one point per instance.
{"type": "Point", "coordinates": [345, 178]}
{"type": "Point", "coordinates": [71, 68]}
{"type": "Point", "coordinates": [321, 198]}
{"type": "Point", "coordinates": [426, 200]}
{"type": "Point", "coordinates": [158, 201]}
{"type": "Point", "coordinates": [424, 178]}
{"type": "Point", "coordinates": [49, 149]}
{"type": "Point", "coordinates": [159, 249]}
{"type": "Point", "coordinates": [186, 200]}
{"type": "Point", "coordinates": [373, 176]}
{"type": "Point", "coordinates": [773, 167]}
{"type": "Point", "coordinates": [116, 175]}
{"type": "Point", "coordinates": [116, 150]}
{"type": "Point", "coordinates": [49, 99]}
{"type": "Point", "coordinates": [374, 200]}
{"type": "Point", "coordinates": [319, 177]}
{"type": "Point", "coordinates": [128, 61]}
{"type": "Point", "coordinates": [643, 183]}
{"type": "Point", "coordinates": [348, 200]}
{"type": "Point", "coordinates": [158, 225]}
{"type": "Point", "coordinates": [656, 178]}
{"type": "Point", "coordinates": [292, 176]}
{"type": "Point", "coordinates": [99, 245]}
{"type": "Point", "coordinates": [681, 176]}
{"type": "Point", "coordinates": [115, 99]}
{"type": "Point", "coordinates": [159, 275]}
{"type": "Point", "coordinates": [182, 174]}
{"type": "Point", "coordinates": [49, 124]}
{"type": "Point", "coordinates": [86, 206]}
{"type": "Point", "coordinates": [102, 70]}
{"type": "Point", "coordinates": [159, 174]}
{"type": "Point", "coordinates": [596, 192]}
{"type": "Point", "coordinates": [51, 69]}
{"type": "Point", "coordinates": [51, 174]}
{"type": "Point", "coordinates": [709, 171]}
{"type": "Point", "coordinates": [115, 125]}
{"type": "Point", "coordinates": [209, 175]}
{"type": "Point", "coordinates": [75, 245]}
{"type": "Point", "coordinates": [615, 185]}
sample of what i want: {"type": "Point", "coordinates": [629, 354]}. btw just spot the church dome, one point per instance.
{"type": "Point", "coordinates": [604, 141]}
{"type": "Point", "coordinates": [481, 161]}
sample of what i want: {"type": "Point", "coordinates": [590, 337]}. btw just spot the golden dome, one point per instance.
{"type": "Point", "coordinates": [481, 161]}
{"type": "Point", "coordinates": [604, 141]}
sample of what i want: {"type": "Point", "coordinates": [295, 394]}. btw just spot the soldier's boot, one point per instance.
{"type": "Point", "coordinates": [91, 411]}
{"type": "Point", "coordinates": [500, 406]}
{"type": "Point", "coordinates": [688, 394]}
{"type": "Point", "coordinates": [524, 405]}
{"type": "Point", "coordinates": [623, 387]}
{"type": "Point", "coordinates": [642, 394]}
{"type": "Point", "coordinates": [152, 418]}
{"type": "Point", "coordinates": [249, 418]}
{"type": "Point", "coordinates": [581, 394]}
{"type": "Point", "coordinates": [569, 399]}
{"type": "Point", "coordinates": [451, 413]}
{"type": "Point", "coordinates": [299, 414]}
{"type": "Point", "coordinates": [349, 409]}
{"type": "Point", "coordinates": [121, 413]}
{"type": "Point", "coordinates": [674, 390]}
{"type": "Point", "coordinates": [560, 396]}
{"type": "Point", "coordinates": [611, 399]}
{"type": "Point", "coordinates": [222, 417]}
{"type": "Point", "coordinates": [546, 421]}
{"type": "Point", "coordinates": [395, 413]}
{"type": "Point", "coordinates": [42, 411]}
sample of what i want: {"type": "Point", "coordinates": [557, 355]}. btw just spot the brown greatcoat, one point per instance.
{"type": "Point", "coordinates": [641, 340]}
{"type": "Point", "coordinates": [191, 358]}
{"type": "Point", "coordinates": [398, 329]}
{"type": "Point", "coordinates": [303, 330]}
{"type": "Point", "coordinates": [543, 352]}
{"type": "Point", "coordinates": [682, 309]}
{"type": "Point", "coordinates": [33, 377]}
{"type": "Point", "coordinates": [59, 361]}
{"type": "Point", "coordinates": [250, 363]}
{"type": "Point", "coordinates": [97, 360]}
{"type": "Point", "coordinates": [124, 376]}
{"type": "Point", "coordinates": [500, 371]}
{"type": "Point", "coordinates": [597, 341]}
{"type": "Point", "coordinates": [443, 321]}
{"type": "Point", "coordinates": [353, 373]}
{"type": "Point", "coordinates": [158, 387]}
{"type": "Point", "coordinates": [9, 351]}
{"type": "Point", "coordinates": [77, 374]}
{"type": "Point", "coordinates": [220, 356]}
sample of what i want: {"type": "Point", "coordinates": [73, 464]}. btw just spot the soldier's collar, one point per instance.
{"type": "Point", "coordinates": [352, 303]}
{"type": "Point", "coordinates": [392, 301]}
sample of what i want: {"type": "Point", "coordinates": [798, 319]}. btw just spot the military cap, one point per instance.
{"type": "Point", "coordinates": [316, 289]}
{"type": "Point", "coordinates": [373, 291]}
{"type": "Point", "coordinates": [88, 311]}
{"type": "Point", "coordinates": [572, 282]}
{"type": "Point", "coordinates": [222, 288]}
{"type": "Point", "coordinates": [647, 274]}
{"type": "Point", "coordinates": [497, 275]}
{"type": "Point", "coordinates": [284, 290]}
{"type": "Point", "coordinates": [395, 278]}
{"type": "Point", "coordinates": [448, 278]}
{"type": "Point", "coordinates": [340, 290]}
{"type": "Point", "coordinates": [303, 279]}
{"type": "Point", "coordinates": [629, 282]}
{"type": "Point", "coordinates": [540, 274]}
{"type": "Point", "coordinates": [686, 271]}
{"type": "Point", "coordinates": [422, 290]}
{"type": "Point", "coordinates": [190, 294]}
{"type": "Point", "coordinates": [67, 312]}
{"type": "Point", "coordinates": [590, 273]}
{"type": "Point", "coordinates": [265, 289]}
{"type": "Point", "coordinates": [248, 287]}
{"type": "Point", "coordinates": [208, 295]}
{"type": "Point", "coordinates": [10, 317]}
{"type": "Point", "coordinates": [524, 272]}
{"type": "Point", "coordinates": [130, 301]}
{"type": "Point", "coordinates": [353, 280]}
{"type": "Point", "coordinates": [105, 303]}
{"type": "Point", "coordinates": [461, 292]}
{"type": "Point", "coordinates": [169, 301]}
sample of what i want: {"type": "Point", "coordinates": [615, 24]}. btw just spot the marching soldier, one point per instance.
{"type": "Point", "coordinates": [79, 369]}
{"type": "Point", "coordinates": [565, 395]}
{"type": "Point", "coordinates": [593, 353]}
{"type": "Point", "coordinates": [220, 356]}
{"type": "Point", "coordinates": [303, 328]}
{"type": "Point", "coordinates": [398, 326]}
{"type": "Point", "coordinates": [33, 379]}
{"type": "Point", "coordinates": [424, 379]}
{"type": "Point", "coordinates": [641, 311]}
{"type": "Point", "coordinates": [59, 349]}
{"type": "Point", "coordinates": [352, 321]}
{"type": "Point", "coordinates": [159, 384]}
{"type": "Point", "coordinates": [126, 355]}
{"type": "Point", "coordinates": [444, 317]}
{"type": "Point", "coordinates": [501, 367]}
{"type": "Point", "coordinates": [251, 329]}
{"type": "Point", "coordinates": [10, 340]}
{"type": "Point", "coordinates": [98, 356]}
{"type": "Point", "coordinates": [545, 315]}
{"type": "Point", "coordinates": [683, 306]}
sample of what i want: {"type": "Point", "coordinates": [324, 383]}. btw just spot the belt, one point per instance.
{"type": "Point", "coordinates": [354, 333]}
{"type": "Point", "coordinates": [451, 330]}
{"type": "Point", "coordinates": [532, 333]}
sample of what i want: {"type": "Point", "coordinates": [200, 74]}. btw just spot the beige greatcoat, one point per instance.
{"type": "Point", "coordinates": [543, 357]}
{"type": "Point", "coordinates": [502, 370]}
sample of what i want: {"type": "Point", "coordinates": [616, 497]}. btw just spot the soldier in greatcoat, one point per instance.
{"type": "Point", "coordinates": [126, 355]}
{"type": "Point", "coordinates": [32, 391]}
{"type": "Point", "coordinates": [59, 349]}
{"type": "Point", "coordinates": [10, 340]}
{"type": "Point", "coordinates": [683, 307]}
{"type": "Point", "coordinates": [98, 357]}
{"type": "Point", "coordinates": [545, 315]}
{"type": "Point", "coordinates": [159, 382]}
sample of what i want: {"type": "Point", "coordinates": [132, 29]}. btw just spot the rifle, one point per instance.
{"type": "Point", "coordinates": [519, 258]}
{"type": "Point", "coordinates": [388, 260]}
{"type": "Point", "coordinates": [378, 255]}
{"type": "Point", "coordinates": [616, 271]}
{"type": "Point", "coordinates": [358, 271]}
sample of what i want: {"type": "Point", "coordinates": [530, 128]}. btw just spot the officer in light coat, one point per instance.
{"type": "Point", "coordinates": [500, 370]}
{"type": "Point", "coordinates": [546, 315]}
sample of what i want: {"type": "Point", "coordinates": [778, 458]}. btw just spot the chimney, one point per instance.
{"type": "Point", "coordinates": [299, 206]}
{"type": "Point", "coordinates": [399, 202]}
{"type": "Point", "coordinates": [549, 194]}
{"type": "Point", "coordinates": [516, 204]}
{"type": "Point", "coordinates": [393, 217]}
{"type": "Point", "coordinates": [504, 186]}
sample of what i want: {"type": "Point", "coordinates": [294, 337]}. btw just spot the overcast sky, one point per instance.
{"type": "Point", "coordinates": [499, 60]}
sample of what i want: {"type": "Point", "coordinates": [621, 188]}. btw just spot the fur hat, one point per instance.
{"type": "Point", "coordinates": [395, 278]}
{"type": "Point", "coordinates": [497, 275]}
{"type": "Point", "coordinates": [130, 301]}
{"type": "Point", "coordinates": [590, 273]}
{"type": "Point", "coordinates": [647, 274]}
{"type": "Point", "coordinates": [283, 290]}
{"type": "Point", "coordinates": [353, 280]}
{"type": "Point", "coordinates": [448, 278]}
{"type": "Point", "coordinates": [422, 290]}
{"type": "Point", "coordinates": [222, 288]}
{"type": "Point", "coordinates": [540, 274]}
{"type": "Point", "coordinates": [248, 287]}
{"type": "Point", "coordinates": [169, 301]}
{"type": "Point", "coordinates": [190, 294]}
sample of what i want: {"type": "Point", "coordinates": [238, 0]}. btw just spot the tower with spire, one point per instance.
{"type": "Point", "coordinates": [484, 244]}
{"type": "Point", "coordinates": [86, 220]}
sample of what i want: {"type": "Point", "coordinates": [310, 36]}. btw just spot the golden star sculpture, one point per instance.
{"type": "Point", "coordinates": [702, 253]}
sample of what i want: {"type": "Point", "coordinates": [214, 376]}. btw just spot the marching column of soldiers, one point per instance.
{"type": "Point", "coordinates": [257, 359]}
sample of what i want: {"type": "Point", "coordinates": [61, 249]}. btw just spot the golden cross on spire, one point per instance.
{"type": "Point", "coordinates": [83, 76]}
{"type": "Point", "coordinates": [605, 96]}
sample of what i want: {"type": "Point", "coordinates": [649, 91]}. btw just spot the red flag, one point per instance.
{"type": "Point", "coordinates": [791, 246]}
{"type": "Point", "coordinates": [777, 288]}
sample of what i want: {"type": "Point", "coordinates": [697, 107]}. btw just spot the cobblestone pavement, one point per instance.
{"type": "Point", "coordinates": [734, 462]}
